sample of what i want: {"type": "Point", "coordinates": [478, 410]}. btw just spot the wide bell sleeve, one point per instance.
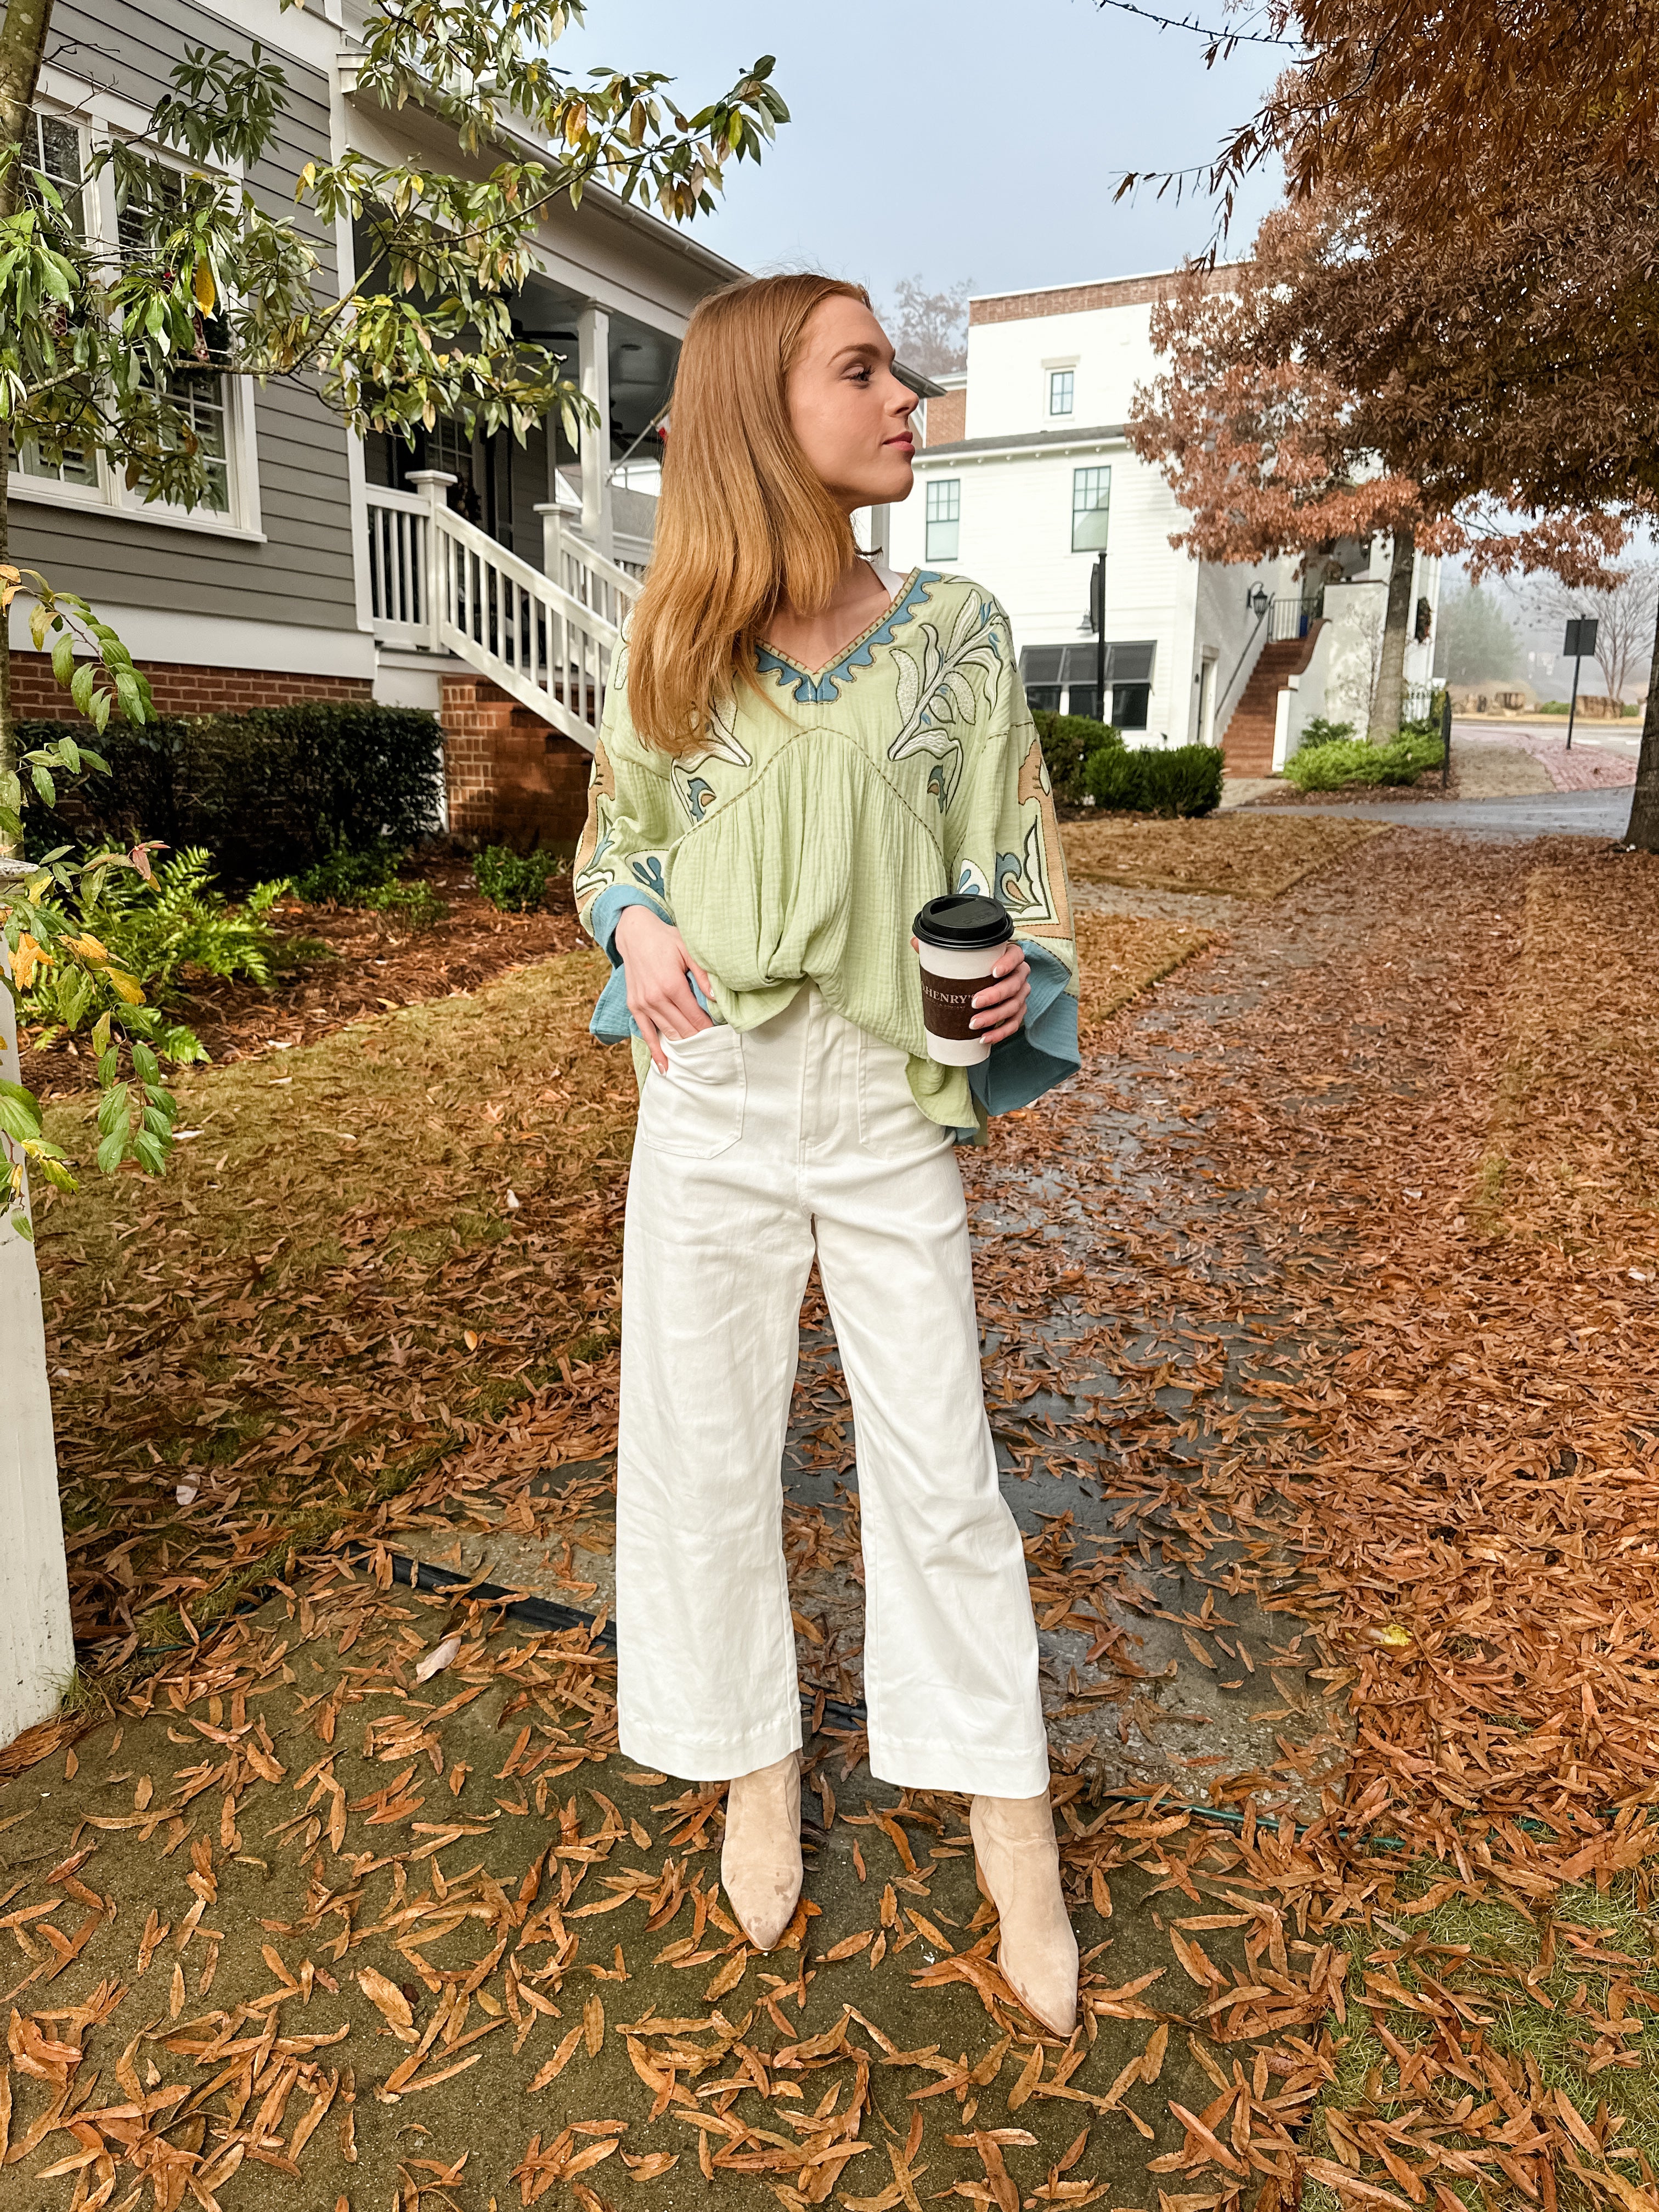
{"type": "Point", "coordinates": [1002, 839]}
{"type": "Point", "coordinates": [622, 859]}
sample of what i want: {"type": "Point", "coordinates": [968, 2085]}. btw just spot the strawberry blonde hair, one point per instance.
{"type": "Point", "coordinates": [744, 525]}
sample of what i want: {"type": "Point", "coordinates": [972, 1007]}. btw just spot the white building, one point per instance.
{"type": "Point", "coordinates": [1026, 475]}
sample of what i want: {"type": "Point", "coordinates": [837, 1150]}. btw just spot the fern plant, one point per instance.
{"type": "Point", "coordinates": [159, 931]}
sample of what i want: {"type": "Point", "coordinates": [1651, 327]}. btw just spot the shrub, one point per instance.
{"type": "Point", "coordinates": [272, 792]}
{"type": "Point", "coordinates": [418, 906]}
{"type": "Point", "coordinates": [1069, 743]}
{"type": "Point", "coordinates": [346, 878]}
{"type": "Point", "coordinates": [1347, 766]}
{"type": "Point", "coordinates": [1169, 780]}
{"type": "Point", "coordinates": [1319, 731]}
{"type": "Point", "coordinates": [514, 881]}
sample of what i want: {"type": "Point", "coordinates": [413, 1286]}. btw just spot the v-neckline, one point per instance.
{"type": "Point", "coordinates": [817, 675]}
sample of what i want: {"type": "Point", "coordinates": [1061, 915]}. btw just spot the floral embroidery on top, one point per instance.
{"type": "Point", "coordinates": [936, 687]}
{"type": "Point", "coordinates": [824, 688]}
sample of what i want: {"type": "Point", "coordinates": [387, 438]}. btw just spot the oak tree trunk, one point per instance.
{"type": "Point", "coordinates": [1644, 831]}
{"type": "Point", "coordinates": [1388, 707]}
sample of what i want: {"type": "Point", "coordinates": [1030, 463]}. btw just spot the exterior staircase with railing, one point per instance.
{"type": "Point", "coordinates": [528, 652]}
{"type": "Point", "coordinates": [1289, 629]}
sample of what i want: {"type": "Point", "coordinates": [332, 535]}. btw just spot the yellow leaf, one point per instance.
{"type": "Point", "coordinates": [206, 292]}
{"type": "Point", "coordinates": [1392, 1638]}
{"type": "Point", "coordinates": [126, 988]}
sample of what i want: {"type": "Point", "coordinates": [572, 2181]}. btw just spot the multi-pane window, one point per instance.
{"type": "Point", "coordinates": [52, 151]}
{"type": "Point", "coordinates": [198, 392]}
{"type": "Point", "coordinates": [1062, 385]}
{"type": "Point", "coordinates": [1091, 505]}
{"type": "Point", "coordinates": [944, 517]}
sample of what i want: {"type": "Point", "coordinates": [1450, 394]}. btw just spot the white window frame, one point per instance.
{"type": "Point", "coordinates": [1058, 365]}
{"type": "Point", "coordinates": [1064, 413]}
{"type": "Point", "coordinates": [930, 522]}
{"type": "Point", "coordinates": [100, 117]}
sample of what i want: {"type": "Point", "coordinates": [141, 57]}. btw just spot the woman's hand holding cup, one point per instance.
{"type": "Point", "coordinates": [657, 964]}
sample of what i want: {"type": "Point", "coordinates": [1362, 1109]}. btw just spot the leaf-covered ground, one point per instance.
{"type": "Point", "coordinates": [1239, 853]}
{"type": "Point", "coordinates": [1281, 1345]}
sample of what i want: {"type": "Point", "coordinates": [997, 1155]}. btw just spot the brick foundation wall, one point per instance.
{"type": "Point", "coordinates": [511, 780]}
{"type": "Point", "coordinates": [181, 690]}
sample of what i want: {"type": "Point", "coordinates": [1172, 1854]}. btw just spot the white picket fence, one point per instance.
{"type": "Point", "coordinates": [439, 583]}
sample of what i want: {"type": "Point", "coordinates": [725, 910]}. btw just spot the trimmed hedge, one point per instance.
{"type": "Point", "coordinates": [1069, 742]}
{"type": "Point", "coordinates": [269, 792]}
{"type": "Point", "coordinates": [1180, 780]}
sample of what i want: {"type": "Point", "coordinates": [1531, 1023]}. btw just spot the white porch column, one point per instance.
{"type": "Point", "coordinates": [37, 1648]}
{"type": "Point", "coordinates": [593, 360]}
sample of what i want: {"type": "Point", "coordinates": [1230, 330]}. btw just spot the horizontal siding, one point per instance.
{"type": "Point", "coordinates": [304, 573]}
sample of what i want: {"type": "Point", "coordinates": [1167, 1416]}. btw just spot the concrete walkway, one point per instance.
{"type": "Point", "coordinates": [1548, 814]}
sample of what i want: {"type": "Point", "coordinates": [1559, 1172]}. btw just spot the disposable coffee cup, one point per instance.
{"type": "Point", "coordinates": [962, 938]}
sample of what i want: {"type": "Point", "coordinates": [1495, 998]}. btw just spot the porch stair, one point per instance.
{"type": "Point", "coordinates": [526, 654]}
{"type": "Point", "coordinates": [1247, 740]}
{"type": "Point", "coordinates": [545, 636]}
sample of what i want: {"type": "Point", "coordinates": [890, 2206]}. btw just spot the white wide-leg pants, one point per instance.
{"type": "Point", "coordinates": [753, 1152]}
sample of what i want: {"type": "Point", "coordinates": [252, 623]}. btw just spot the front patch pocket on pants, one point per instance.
{"type": "Point", "coordinates": [695, 1110]}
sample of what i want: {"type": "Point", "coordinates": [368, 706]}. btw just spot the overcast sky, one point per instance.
{"type": "Point", "coordinates": [979, 140]}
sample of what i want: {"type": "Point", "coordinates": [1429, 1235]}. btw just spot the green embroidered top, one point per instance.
{"type": "Point", "coordinates": [799, 844]}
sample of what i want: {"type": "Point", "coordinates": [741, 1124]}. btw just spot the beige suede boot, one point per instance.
{"type": "Point", "coordinates": [1018, 1862]}
{"type": "Point", "coordinates": [760, 1860]}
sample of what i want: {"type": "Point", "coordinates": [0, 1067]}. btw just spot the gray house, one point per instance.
{"type": "Point", "coordinates": [484, 580]}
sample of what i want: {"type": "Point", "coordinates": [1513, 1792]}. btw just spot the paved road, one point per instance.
{"type": "Point", "coordinates": [1547, 814]}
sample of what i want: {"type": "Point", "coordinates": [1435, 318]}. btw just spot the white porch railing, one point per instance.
{"type": "Point", "coordinates": [439, 582]}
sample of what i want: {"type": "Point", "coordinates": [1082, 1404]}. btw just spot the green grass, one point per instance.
{"type": "Point", "coordinates": [1548, 2021]}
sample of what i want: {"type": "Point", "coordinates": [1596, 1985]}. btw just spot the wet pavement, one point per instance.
{"type": "Point", "coordinates": [1549, 814]}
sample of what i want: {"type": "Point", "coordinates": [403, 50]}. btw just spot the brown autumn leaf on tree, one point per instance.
{"type": "Point", "coordinates": [1502, 162]}
{"type": "Point", "coordinates": [1275, 442]}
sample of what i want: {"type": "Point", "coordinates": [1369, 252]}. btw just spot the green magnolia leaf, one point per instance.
{"type": "Point", "coordinates": [62, 658]}
{"type": "Point", "coordinates": [23, 1225]}
{"type": "Point", "coordinates": [81, 685]}
{"type": "Point", "coordinates": [112, 1151]}
{"type": "Point", "coordinates": [145, 1065]}
{"type": "Point", "coordinates": [45, 786]}
{"type": "Point", "coordinates": [112, 1109]}
{"type": "Point", "coordinates": [19, 1122]}
{"type": "Point", "coordinates": [152, 1152]}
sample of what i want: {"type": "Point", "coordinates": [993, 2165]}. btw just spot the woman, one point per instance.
{"type": "Point", "coordinates": [798, 751]}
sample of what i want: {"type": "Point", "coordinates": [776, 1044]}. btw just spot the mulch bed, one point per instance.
{"type": "Point", "coordinates": [348, 963]}
{"type": "Point", "coordinates": [1427, 786]}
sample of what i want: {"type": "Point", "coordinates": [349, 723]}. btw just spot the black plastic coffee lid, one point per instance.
{"type": "Point", "coordinates": [963, 922]}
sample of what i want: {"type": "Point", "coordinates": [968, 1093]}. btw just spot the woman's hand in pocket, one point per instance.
{"type": "Point", "coordinates": [657, 966]}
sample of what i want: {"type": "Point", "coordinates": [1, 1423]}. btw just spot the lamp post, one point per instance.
{"type": "Point", "coordinates": [1258, 601]}
{"type": "Point", "coordinates": [1097, 624]}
